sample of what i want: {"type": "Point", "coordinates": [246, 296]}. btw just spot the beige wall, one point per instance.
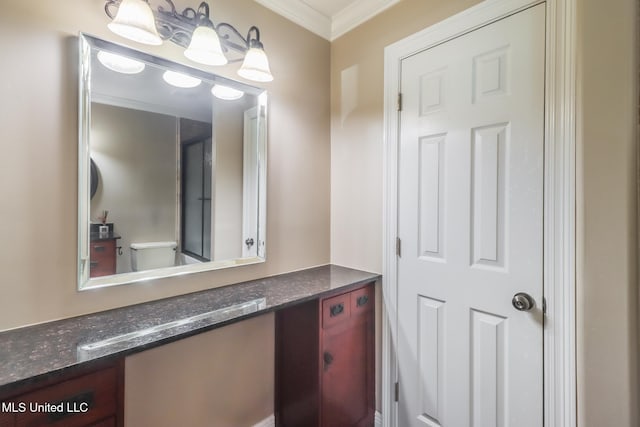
{"type": "Point", "coordinates": [357, 101]}
{"type": "Point", "coordinates": [188, 383]}
{"type": "Point", "coordinates": [607, 294]}
{"type": "Point", "coordinates": [607, 214]}
{"type": "Point", "coordinates": [357, 96]}
{"type": "Point", "coordinates": [38, 184]}
{"type": "Point", "coordinates": [135, 153]}
{"type": "Point", "coordinates": [38, 118]}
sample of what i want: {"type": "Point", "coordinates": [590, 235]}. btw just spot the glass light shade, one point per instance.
{"type": "Point", "coordinates": [256, 66]}
{"type": "Point", "coordinates": [205, 47]}
{"type": "Point", "coordinates": [135, 21]}
{"type": "Point", "coordinates": [180, 80]}
{"type": "Point", "coordinates": [227, 93]}
{"type": "Point", "coordinates": [120, 64]}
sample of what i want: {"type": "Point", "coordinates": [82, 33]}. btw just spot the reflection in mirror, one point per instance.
{"type": "Point", "coordinates": [171, 168]}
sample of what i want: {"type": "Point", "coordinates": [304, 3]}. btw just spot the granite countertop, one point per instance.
{"type": "Point", "coordinates": [37, 351]}
{"type": "Point", "coordinates": [96, 237]}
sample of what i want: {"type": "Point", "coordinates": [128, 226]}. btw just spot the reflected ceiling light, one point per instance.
{"type": "Point", "coordinates": [135, 21]}
{"type": "Point", "coordinates": [120, 64]}
{"type": "Point", "coordinates": [180, 80]}
{"type": "Point", "coordinates": [227, 93]}
{"type": "Point", "coordinates": [192, 29]}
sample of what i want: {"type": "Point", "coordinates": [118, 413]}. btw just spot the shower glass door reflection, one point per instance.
{"type": "Point", "coordinates": [196, 199]}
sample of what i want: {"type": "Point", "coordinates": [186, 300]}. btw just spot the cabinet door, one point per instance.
{"type": "Point", "coordinates": [80, 401]}
{"type": "Point", "coordinates": [6, 419]}
{"type": "Point", "coordinates": [347, 373]}
{"type": "Point", "coordinates": [102, 258]}
{"type": "Point", "coordinates": [297, 390]}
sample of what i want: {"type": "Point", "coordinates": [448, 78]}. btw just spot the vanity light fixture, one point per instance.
{"type": "Point", "coordinates": [135, 21]}
{"type": "Point", "coordinates": [205, 47]}
{"type": "Point", "coordinates": [205, 42]}
{"type": "Point", "coordinates": [227, 93]}
{"type": "Point", "coordinates": [119, 63]}
{"type": "Point", "coordinates": [256, 64]}
{"type": "Point", "coordinates": [180, 80]}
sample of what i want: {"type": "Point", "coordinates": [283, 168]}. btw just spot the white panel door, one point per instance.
{"type": "Point", "coordinates": [470, 221]}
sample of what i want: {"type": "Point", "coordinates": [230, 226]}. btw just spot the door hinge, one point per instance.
{"type": "Point", "coordinates": [544, 305]}
{"type": "Point", "coordinates": [399, 102]}
{"type": "Point", "coordinates": [397, 391]}
{"type": "Point", "coordinates": [398, 247]}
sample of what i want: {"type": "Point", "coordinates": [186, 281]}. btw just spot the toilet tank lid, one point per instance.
{"type": "Point", "coordinates": [153, 245]}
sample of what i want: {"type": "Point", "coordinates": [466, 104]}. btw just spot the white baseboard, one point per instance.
{"type": "Point", "coordinates": [270, 421]}
{"type": "Point", "coordinates": [378, 419]}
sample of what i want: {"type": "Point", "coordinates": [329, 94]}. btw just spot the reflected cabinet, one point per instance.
{"type": "Point", "coordinates": [325, 361]}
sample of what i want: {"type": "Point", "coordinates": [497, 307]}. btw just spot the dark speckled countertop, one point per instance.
{"type": "Point", "coordinates": [37, 351]}
{"type": "Point", "coordinates": [96, 237]}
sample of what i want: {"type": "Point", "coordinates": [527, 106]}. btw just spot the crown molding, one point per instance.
{"type": "Point", "coordinates": [356, 13]}
{"type": "Point", "coordinates": [302, 14]}
{"type": "Point", "coordinates": [329, 28]}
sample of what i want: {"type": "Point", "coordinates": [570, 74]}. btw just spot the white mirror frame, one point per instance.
{"type": "Point", "coordinates": [86, 44]}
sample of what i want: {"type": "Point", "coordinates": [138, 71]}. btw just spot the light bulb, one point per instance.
{"type": "Point", "coordinates": [256, 66]}
{"type": "Point", "coordinates": [205, 47]}
{"type": "Point", "coordinates": [135, 21]}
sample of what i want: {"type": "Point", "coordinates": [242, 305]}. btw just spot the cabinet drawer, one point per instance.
{"type": "Point", "coordinates": [6, 419]}
{"type": "Point", "coordinates": [336, 310]}
{"type": "Point", "coordinates": [104, 249]}
{"type": "Point", "coordinates": [362, 300]}
{"type": "Point", "coordinates": [81, 401]}
{"type": "Point", "coordinates": [101, 268]}
{"type": "Point", "coordinates": [102, 261]}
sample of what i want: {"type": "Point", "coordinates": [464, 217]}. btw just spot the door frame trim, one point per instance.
{"type": "Point", "coordinates": [559, 287]}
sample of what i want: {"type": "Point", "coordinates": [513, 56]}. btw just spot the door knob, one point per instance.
{"type": "Point", "coordinates": [523, 302]}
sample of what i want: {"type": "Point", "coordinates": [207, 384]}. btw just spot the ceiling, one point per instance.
{"type": "Point", "coordinates": [328, 18]}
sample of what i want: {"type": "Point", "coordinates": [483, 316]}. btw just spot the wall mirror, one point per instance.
{"type": "Point", "coordinates": [172, 168]}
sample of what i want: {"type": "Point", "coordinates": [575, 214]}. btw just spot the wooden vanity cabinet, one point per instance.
{"type": "Point", "coordinates": [88, 398]}
{"type": "Point", "coordinates": [325, 361]}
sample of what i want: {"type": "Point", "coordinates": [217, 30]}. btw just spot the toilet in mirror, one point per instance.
{"type": "Point", "coordinates": [172, 168]}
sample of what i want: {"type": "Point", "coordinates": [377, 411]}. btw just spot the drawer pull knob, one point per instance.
{"type": "Point", "coordinates": [74, 405]}
{"type": "Point", "coordinates": [336, 309]}
{"type": "Point", "coordinates": [99, 248]}
{"type": "Point", "coordinates": [362, 300]}
{"type": "Point", "coordinates": [328, 359]}
{"type": "Point", "coordinates": [93, 264]}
